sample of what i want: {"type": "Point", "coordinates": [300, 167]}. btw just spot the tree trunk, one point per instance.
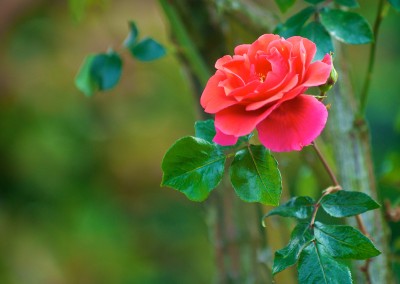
{"type": "Point", "coordinates": [352, 151]}
{"type": "Point", "coordinates": [240, 242]}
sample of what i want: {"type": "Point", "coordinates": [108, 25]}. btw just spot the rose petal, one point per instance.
{"type": "Point", "coordinates": [304, 45]}
{"type": "Point", "coordinates": [279, 64]}
{"type": "Point", "coordinates": [235, 120]}
{"type": "Point", "coordinates": [318, 72]}
{"type": "Point", "coordinates": [220, 62]}
{"type": "Point", "coordinates": [260, 104]}
{"type": "Point", "coordinates": [224, 139]}
{"type": "Point", "coordinates": [261, 44]}
{"type": "Point", "coordinates": [283, 46]}
{"type": "Point", "coordinates": [292, 94]}
{"type": "Point", "coordinates": [294, 124]}
{"type": "Point", "coordinates": [303, 52]}
{"type": "Point", "coordinates": [247, 90]}
{"type": "Point", "coordinates": [236, 68]}
{"type": "Point", "coordinates": [275, 96]}
{"type": "Point", "coordinates": [242, 49]}
{"type": "Point", "coordinates": [213, 98]}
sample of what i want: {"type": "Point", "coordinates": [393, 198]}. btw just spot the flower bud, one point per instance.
{"type": "Point", "coordinates": [330, 82]}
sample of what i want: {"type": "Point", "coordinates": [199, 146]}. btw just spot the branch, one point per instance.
{"type": "Point", "coordinates": [188, 48]}
{"type": "Point", "coordinates": [329, 190]}
{"type": "Point", "coordinates": [382, 11]}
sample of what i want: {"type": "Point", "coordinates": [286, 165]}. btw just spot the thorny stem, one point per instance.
{"type": "Point", "coordinates": [326, 165]}
{"type": "Point", "coordinates": [336, 186]}
{"type": "Point", "coordinates": [329, 190]}
{"type": "Point", "coordinates": [367, 81]}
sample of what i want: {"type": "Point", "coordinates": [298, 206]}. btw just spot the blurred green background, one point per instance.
{"type": "Point", "coordinates": [80, 200]}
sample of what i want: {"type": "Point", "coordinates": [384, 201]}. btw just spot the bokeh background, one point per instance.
{"type": "Point", "coordinates": [80, 200]}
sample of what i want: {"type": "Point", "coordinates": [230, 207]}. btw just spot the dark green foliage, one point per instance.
{"type": "Point", "coordinates": [300, 207]}
{"type": "Point", "coordinates": [99, 73]}
{"type": "Point", "coordinates": [348, 3]}
{"type": "Point", "coordinates": [320, 246]}
{"type": "Point", "coordinates": [347, 203]}
{"type": "Point", "coordinates": [395, 4]}
{"type": "Point", "coordinates": [316, 266]}
{"type": "Point", "coordinates": [132, 36]}
{"type": "Point", "coordinates": [194, 167]}
{"type": "Point", "coordinates": [344, 242]}
{"type": "Point", "coordinates": [147, 50]}
{"type": "Point", "coordinates": [347, 27]}
{"type": "Point", "coordinates": [205, 129]}
{"type": "Point", "coordinates": [255, 176]}
{"type": "Point", "coordinates": [315, 32]}
{"type": "Point", "coordinates": [294, 24]}
{"type": "Point", "coordinates": [314, 2]}
{"type": "Point", "coordinates": [102, 71]}
{"type": "Point", "coordinates": [106, 70]}
{"type": "Point", "coordinates": [284, 5]}
{"type": "Point", "coordinates": [289, 255]}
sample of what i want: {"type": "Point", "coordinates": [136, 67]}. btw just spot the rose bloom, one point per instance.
{"type": "Point", "coordinates": [263, 87]}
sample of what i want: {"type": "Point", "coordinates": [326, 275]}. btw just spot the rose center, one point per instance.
{"type": "Point", "coordinates": [261, 77]}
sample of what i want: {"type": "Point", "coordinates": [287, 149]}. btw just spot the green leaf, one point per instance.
{"type": "Point", "coordinates": [205, 129]}
{"type": "Point", "coordinates": [347, 203]}
{"type": "Point", "coordinates": [288, 256]}
{"type": "Point", "coordinates": [344, 241]}
{"type": "Point", "coordinates": [314, 2]}
{"type": "Point", "coordinates": [347, 27]}
{"type": "Point", "coordinates": [99, 72]}
{"type": "Point", "coordinates": [395, 4]}
{"type": "Point", "coordinates": [130, 41]}
{"type": "Point", "coordinates": [194, 167]}
{"type": "Point", "coordinates": [83, 80]}
{"type": "Point", "coordinates": [294, 24]}
{"type": "Point", "coordinates": [317, 266]}
{"type": "Point", "coordinates": [284, 5]}
{"type": "Point", "coordinates": [255, 175]}
{"type": "Point", "coordinates": [300, 207]}
{"type": "Point", "coordinates": [348, 3]}
{"type": "Point", "coordinates": [315, 32]}
{"type": "Point", "coordinates": [148, 49]}
{"type": "Point", "coordinates": [106, 70]}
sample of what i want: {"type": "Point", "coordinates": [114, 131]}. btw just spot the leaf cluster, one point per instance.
{"type": "Point", "coordinates": [196, 165]}
{"type": "Point", "coordinates": [102, 71]}
{"type": "Point", "coordinates": [319, 249]}
{"type": "Point", "coordinates": [329, 21]}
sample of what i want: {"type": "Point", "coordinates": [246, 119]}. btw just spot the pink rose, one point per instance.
{"type": "Point", "coordinates": [262, 87]}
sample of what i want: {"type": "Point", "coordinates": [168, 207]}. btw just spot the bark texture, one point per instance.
{"type": "Point", "coordinates": [350, 138]}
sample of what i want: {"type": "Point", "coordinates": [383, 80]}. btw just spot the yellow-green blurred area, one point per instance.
{"type": "Point", "coordinates": [80, 200]}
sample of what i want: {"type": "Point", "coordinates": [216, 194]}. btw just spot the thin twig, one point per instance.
{"type": "Point", "coordinates": [367, 81]}
{"type": "Point", "coordinates": [326, 165]}
{"type": "Point", "coordinates": [329, 190]}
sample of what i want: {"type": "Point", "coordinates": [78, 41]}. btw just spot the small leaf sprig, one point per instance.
{"type": "Point", "coordinates": [329, 22]}
{"type": "Point", "coordinates": [102, 71]}
{"type": "Point", "coordinates": [319, 248]}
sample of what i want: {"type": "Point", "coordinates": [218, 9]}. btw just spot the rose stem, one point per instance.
{"type": "Point", "coordinates": [337, 186]}
{"type": "Point", "coordinates": [382, 11]}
